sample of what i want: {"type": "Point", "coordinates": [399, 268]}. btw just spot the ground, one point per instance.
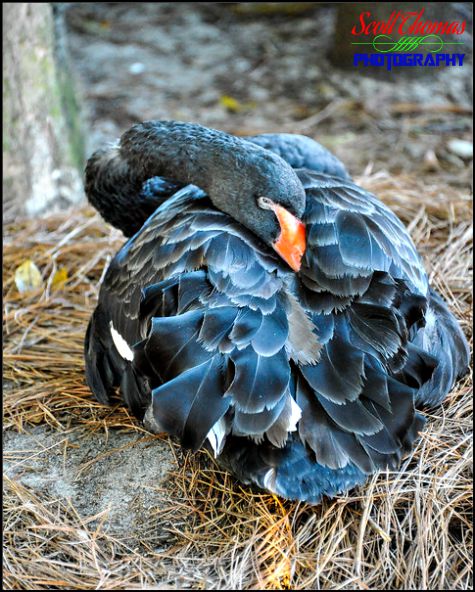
{"type": "Point", "coordinates": [92, 501]}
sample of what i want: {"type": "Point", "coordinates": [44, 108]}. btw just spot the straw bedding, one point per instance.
{"type": "Point", "coordinates": [200, 529]}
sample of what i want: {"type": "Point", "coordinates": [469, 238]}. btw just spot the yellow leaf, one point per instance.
{"type": "Point", "coordinates": [28, 277]}
{"type": "Point", "coordinates": [59, 278]}
{"type": "Point", "coordinates": [231, 103]}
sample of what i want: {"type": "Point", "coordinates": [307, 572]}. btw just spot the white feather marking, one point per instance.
{"type": "Point", "coordinates": [121, 345]}
{"type": "Point", "coordinates": [217, 436]}
{"type": "Point", "coordinates": [295, 415]}
{"type": "Point", "coordinates": [269, 480]}
{"type": "Point", "coordinates": [287, 421]}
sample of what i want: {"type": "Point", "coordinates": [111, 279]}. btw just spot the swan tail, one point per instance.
{"type": "Point", "coordinates": [290, 471]}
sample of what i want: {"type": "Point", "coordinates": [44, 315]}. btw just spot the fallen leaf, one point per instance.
{"type": "Point", "coordinates": [59, 278]}
{"type": "Point", "coordinates": [235, 106]}
{"type": "Point", "coordinates": [231, 103]}
{"type": "Point", "coordinates": [28, 277]}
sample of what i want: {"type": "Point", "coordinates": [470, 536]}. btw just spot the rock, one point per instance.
{"type": "Point", "coordinates": [137, 68]}
{"type": "Point", "coordinates": [415, 150]}
{"type": "Point", "coordinates": [461, 148]}
{"type": "Point", "coordinates": [431, 162]}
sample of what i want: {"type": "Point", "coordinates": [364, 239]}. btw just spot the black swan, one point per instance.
{"type": "Point", "coordinates": [266, 307]}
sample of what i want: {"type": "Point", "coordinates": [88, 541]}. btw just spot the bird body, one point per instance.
{"type": "Point", "coordinates": [301, 375]}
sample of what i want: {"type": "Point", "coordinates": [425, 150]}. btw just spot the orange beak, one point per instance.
{"type": "Point", "coordinates": [291, 243]}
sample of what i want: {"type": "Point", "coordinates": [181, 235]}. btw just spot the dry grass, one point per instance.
{"type": "Point", "coordinates": [405, 530]}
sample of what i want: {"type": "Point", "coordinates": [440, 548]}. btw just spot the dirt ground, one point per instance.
{"type": "Point", "coordinates": [254, 73]}
{"type": "Point", "coordinates": [243, 73]}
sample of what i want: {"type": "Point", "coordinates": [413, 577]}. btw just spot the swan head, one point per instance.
{"type": "Point", "coordinates": [253, 185]}
{"type": "Point", "coordinates": [264, 194]}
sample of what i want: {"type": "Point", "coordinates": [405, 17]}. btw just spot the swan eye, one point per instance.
{"type": "Point", "coordinates": [265, 203]}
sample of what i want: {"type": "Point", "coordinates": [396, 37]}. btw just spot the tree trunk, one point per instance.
{"type": "Point", "coordinates": [42, 141]}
